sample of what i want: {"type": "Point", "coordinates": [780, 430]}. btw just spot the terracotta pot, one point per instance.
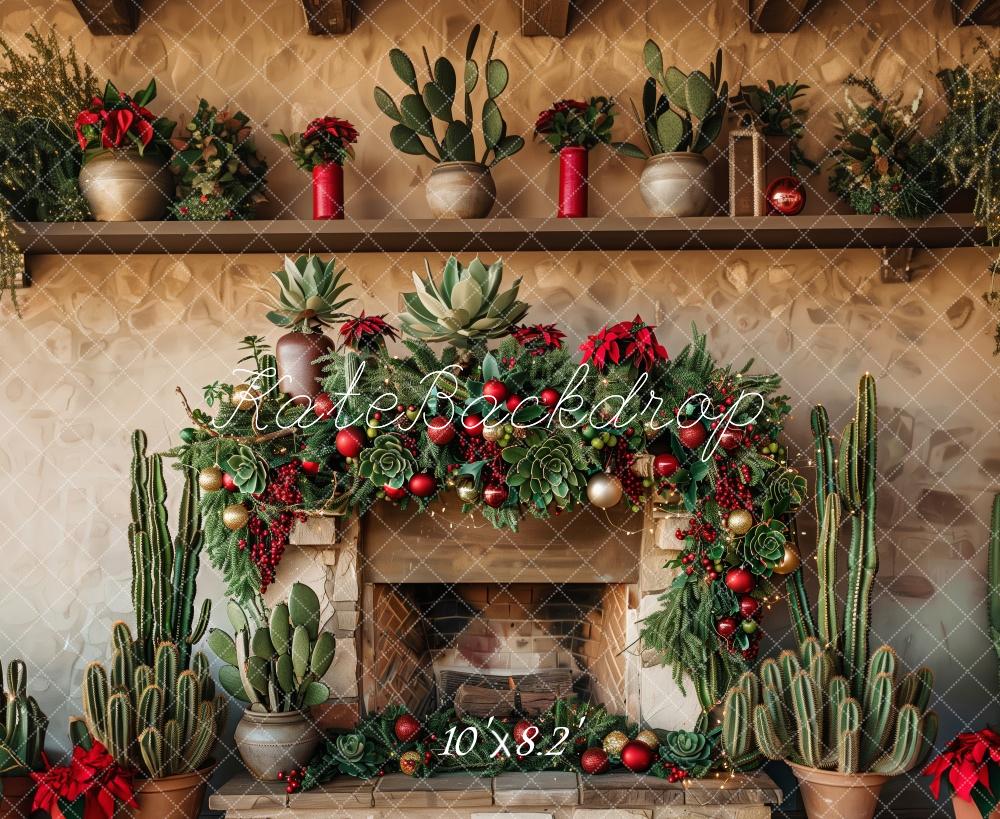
{"type": "Point", "coordinates": [271, 743]}
{"type": "Point", "coordinates": [121, 186]}
{"type": "Point", "coordinates": [460, 190]}
{"type": "Point", "coordinates": [834, 795]}
{"type": "Point", "coordinates": [173, 797]}
{"type": "Point", "coordinates": [18, 791]}
{"type": "Point", "coordinates": [295, 353]}
{"type": "Point", "coordinates": [328, 191]}
{"type": "Point", "coordinates": [969, 810]}
{"type": "Point", "coordinates": [573, 171]}
{"type": "Point", "coordinates": [677, 184]}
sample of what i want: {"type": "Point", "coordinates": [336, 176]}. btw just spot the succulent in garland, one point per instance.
{"type": "Point", "coordinates": [22, 725]}
{"type": "Point", "coordinates": [691, 750]}
{"type": "Point", "coordinates": [248, 471]}
{"type": "Point", "coordinates": [786, 491]}
{"type": "Point", "coordinates": [466, 306]}
{"type": "Point", "coordinates": [309, 292]}
{"type": "Point", "coordinates": [763, 546]}
{"type": "Point", "coordinates": [387, 462]}
{"type": "Point", "coordinates": [417, 111]}
{"type": "Point", "coordinates": [548, 471]}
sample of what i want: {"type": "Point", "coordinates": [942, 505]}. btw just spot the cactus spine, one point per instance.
{"type": "Point", "coordinates": [22, 724]}
{"type": "Point", "coordinates": [832, 706]}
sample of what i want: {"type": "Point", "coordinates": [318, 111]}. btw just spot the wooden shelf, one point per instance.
{"type": "Point", "coordinates": [498, 235]}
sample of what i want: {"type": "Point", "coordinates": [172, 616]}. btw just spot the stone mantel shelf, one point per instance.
{"type": "Point", "coordinates": [500, 234]}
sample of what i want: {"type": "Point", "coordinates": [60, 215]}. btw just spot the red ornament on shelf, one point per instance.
{"type": "Point", "coordinates": [692, 436]}
{"type": "Point", "coordinates": [637, 756]}
{"type": "Point", "coordinates": [594, 761]}
{"type": "Point", "coordinates": [548, 397]}
{"type": "Point", "coordinates": [473, 425]}
{"type": "Point", "coordinates": [520, 727]}
{"type": "Point", "coordinates": [495, 496]}
{"type": "Point", "coordinates": [228, 483]}
{"type": "Point", "coordinates": [740, 580]}
{"type": "Point", "coordinates": [350, 441]}
{"type": "Point", "coordinates": [573, 172]}
{"type": "Point", "coordinates": [406, 727]}
{"type": "Point", "coordinates": [394, 493]}
{"type": "Point", "coordinates": [726, 627]}
{"type": "Point", "coordinates": [310, 467]}
{"type": "Point", "coordinates": [323, 406]}
{"type": "Point", "coordinates": [665, 465]}
{"type": "Point", "coordinates": [495, 390]}
{"type": "Point", "coordinates": [328, 191]}
{"type": "Point", "coordinates": [440, 431]}
{"type": "Point", "coordinates": [422, 485]}
{"type": "Point", "coordinates": [786, 196]}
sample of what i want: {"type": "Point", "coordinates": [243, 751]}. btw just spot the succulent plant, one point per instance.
{"type": "Point", "coordinates": [763, 546]}
{"type": "Point", "coordinates": [22, 724]}
{"type": "Point", "coordinates": [308, 293]}
{"type": "Point", "coordinates": [786, 490]}
{"type": "Point", "coordinates": [387, 462]}
{"type": "Point", "coordinates": [691, 750]}
{"type": "Point", "coordinates": [465, 307]}
{"type": "Point", "coordinates": [350, 754]}
{"type": "Point", "coordinates": [417, 111]}
{"type": "Point", "coordinates": [249, 472]}
{"type": "Point", "coordinates": [279, 666]}
{"type": "Point", "coordinates": [680, 112]}
{"type": "Point", "coordinates": [547, 472]}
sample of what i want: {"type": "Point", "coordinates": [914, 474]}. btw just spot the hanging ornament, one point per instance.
{"type": "Point", "coordinates": [350, 441]}
{"type": "Point", "coordinates": [310, 467]}
{"type": "Point", "coordinates": [595, 761]}
{"type": "Point", "coordinates": [692, 436]}
{"type": "Point", "coordinates": [520, 728]}
{"type": "Point", "coordinates": [739, 522]}
{"type": "Point", "coordinates": [406, 727]}
{"type": "Point", "coordinates": [548, 397]}
{"type": "Point", "coordinates": [440, 431]}
{"type": "Point", "coordinates": [512, 402]}
{"type": "Point", "coordinates": [423, 485]}
{"type": "Point", "coordinates": [323, 406]}
{"type": "Point", "coordinates": [492, 432]}
{"type": "Point", "coordinates": [665, 465]}
{"type": "Point", "coordinates": [789, 562]}
{"type": "Point", "coordinates": [189, 435]}
{"type": "Point", "coordinates": [604, 490]}
{"type": "Point", "coordinates": [730, 438]}
{"type": "Point", "coordinates": [614, 743]}
{"type": "Point", "coordinates": [228, 483]}
{"type": "Point", "coordinates": [210, 479]}
{"type": "Point", "coordinates": [467, 492]}
{"type": "Point", "coordinates": [235, 516]}
{"type": "Point", "coordinates": [740, 580]}
{"type": "Point", "coordinates": [749, 606]}
{"type": "Point", "coordinates": [786, 196]}
{"type": "Point", "coordinates": [726, 627]}
{"type": "Point", "coordinates": [495, 391]}
{"type": "Point", "coordinates": [409, 761]}
{"type": "Point", "coordinates": [495, 496]}
{"type": "Point", "coordinates": [394, 493]}
{"type": "Point", "coordinates": [649, 738]}
{"type": "Point", "coordinates": [473, 425]}
{"type": "Point", "coordinates": [245, 397]}
{"type": "Point", "coordinates": [637, 757]}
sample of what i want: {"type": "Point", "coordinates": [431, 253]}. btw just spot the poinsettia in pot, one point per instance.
{"type": "Point", "coordinates": [460, 186]}
{"type": "Point", "coordinates": [124, 176]}
{"type": "Point", "coordinates": [22, 737]}
{"type": "Point", "coordinates": [970, 765]}
{"type": "Point", "coordinates": [322, 149]}
{"type": "Point", "coordinates": [276, 667]}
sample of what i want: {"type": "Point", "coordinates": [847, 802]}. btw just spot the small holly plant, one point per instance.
{"type": "Point", "coordinates": [325, 140]}
{"type": "Point", "coordinates": [577, 123]}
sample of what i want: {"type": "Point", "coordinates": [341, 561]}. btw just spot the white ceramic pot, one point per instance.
{"type": "Point", "coordinates": [460, 190]}
{"type": "Point", "coordinates": [271, 743]}
{"type": "Point", "coordinates": [677, 184]}
{"type": "Point", "coordinates": [121, 186]}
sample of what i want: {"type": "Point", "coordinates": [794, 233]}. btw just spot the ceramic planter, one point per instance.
{"type": "Point", "coordinates": [271, 743]}
{"type": "Point", "coordinates": [328, 191]}
{"type": "Point", "coordinates": [295, 353]}
{"type": "Point", "coordinates": [173, 797]}
{"type": "Point", "coordinates": [573, 172]}
{"type": "Point", "coordinates": [121, 186]}
{"type": "Point", "coordinates": [835, 795]}
{"type": "Point", "coordinates": [677, 184]}
{"type": "Point", "coordinates": [18, 792]}
{"type": "Point", "coordinates": [460, 190]}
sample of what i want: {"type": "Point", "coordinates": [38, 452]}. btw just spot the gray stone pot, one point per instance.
{"type": "Point", "coordinates": [460, 190]}
{"type": "Point", "coordinates": [677, 184]}
{"type": "Point", "coordinates": [271, 743]}
{"type": "Point", "coordinates": [121, 186]}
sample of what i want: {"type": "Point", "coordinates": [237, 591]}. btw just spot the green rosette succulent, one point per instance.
{"type": "Point", "coordinates": [351, 747]}
{"type": "Point", "coordinates": [309, 294]}
{"type": "Point", "coordinates": [690, 750]}
{"type": "Point", "coordinates": [248, 471]}
{"type": "Point", "coordinates": [786, 491]}
{"type": "Point", "coordinates": [762, 547]}
{"type": "Point", "coordinates": [546, 472]}
{"type": "Point", "coordinates": [387, 462]}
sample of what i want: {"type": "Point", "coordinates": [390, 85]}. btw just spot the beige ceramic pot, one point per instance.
{"type": "Point", "coordinates": [121, 186]}
{"type": "Point", "coordinates": [15, 802]}
{"type": "Point", "coordinates": [173, 797]}
{"type": "Point", "coordinates": [295, 353]}
{"type": "Point", "coordinates": [272, 743]}
{"type": "Point", "coordinates": [460, 190]}
{"type": "Point", "coordinates": [677, 184]}
{"type": "Point", "coordinates": [834, 795]}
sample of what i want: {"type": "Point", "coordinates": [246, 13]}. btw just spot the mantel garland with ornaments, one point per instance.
{"type": "Point", "coordinates": [502, 418]}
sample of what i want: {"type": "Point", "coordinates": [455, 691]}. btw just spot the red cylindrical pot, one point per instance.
{"type": "Point", "coordinates": [328, 191]}
{"type": "Point", "coordinates": [572, 183]}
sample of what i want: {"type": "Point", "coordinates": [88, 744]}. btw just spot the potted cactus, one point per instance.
{"type": "Point", "coordinates": [460, 186]}
{"type": "Point", "coordinates": [306, 302]}
{"type": "Point", "coordinates": [155, 710]}
{"type": "Point", "coordinates": [838, 717]}
{"type": "Point", "coordinates": [22, 737]}
{"type": "Point", "coordinates": [276, 670]}
{"type": "Point", "coordinates": [682, 116]}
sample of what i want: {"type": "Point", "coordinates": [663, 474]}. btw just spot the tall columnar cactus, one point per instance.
{"type": "Point", "coordinates": [164, 572]}
{"type": "Point", "coordinates": [160, 718]}
{"type": "Point", "coordinates": [830, 705]}
{"type": "Point", "coordinates": [22, 724]}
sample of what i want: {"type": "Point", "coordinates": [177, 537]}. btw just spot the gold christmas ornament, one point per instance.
{"type": "Point", "coordinates": [789, 562]}
{"type": "Point", "coordinates": [467, 492]}
{"type": "Point", "coordinates": [649, 738]}
{"type": "Point", "coordinates": [235, 516]}
{"type": "Point", "coordinates": [493, 433]}
{"type": "Point", "coordinates": [210, 479]}
{"type": "Point", "coordinates": [604, 490]}
{"type": "Point", "coordinates": [409, 761]}
{"type": "Point", "coordinates": [739, 521]}
{"type": "Point", "coordinates": [245, 397]}
{"type": "Point", "coordinates": [614, 742]}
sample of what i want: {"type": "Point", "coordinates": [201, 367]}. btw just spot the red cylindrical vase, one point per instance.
{"type": "Point", "coordinates": [572, 183]}
{"type": "Point", "coordinates": [328, 191]}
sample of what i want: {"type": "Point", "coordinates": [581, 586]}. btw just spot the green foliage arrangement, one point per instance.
{"type": "Point", "coordinates": [417, 111]}
{"type": "Point", "coordinates": [325, 140]}
{"type": "Point", "coordinates": [776, 111]}
{"type": "Point", "coordinates": [577, 123]}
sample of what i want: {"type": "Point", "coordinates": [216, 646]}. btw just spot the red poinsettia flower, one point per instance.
{"type": "Point", "coordinates": [628, 342]}
{"type": "Point", "coordinates": [116, 127]}
{"type": "Point", "coordinates": [55, 783]}
{"type": "Point", "coordinates": [543, 124]}
{"type": "Point", "coordinates": [92, 774]}
{"type": "Point", "coordinates": [538, 339]}
{"type": "Point", "coordinates": [966, 760]}
{"type": "Point", "coordinates": [339, 129]}
{"type": "Point", "coordinates": [85, 119]}
{"type": "Point", "coordinates": [603, 347]}
{"type": "Point", "coordinates": [644, 349]}
{"type": "Point", "coordinates": [367, 332]}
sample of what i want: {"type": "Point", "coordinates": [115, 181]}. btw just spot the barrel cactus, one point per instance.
{"type": "Point", "coordinates": [387, 462]}
{"type": "Point", "coordinates": [309, 291]}
{"type": "Point", "coordinates": [278, 666]}
{"type": "Point", "coordinates": [22, 724]}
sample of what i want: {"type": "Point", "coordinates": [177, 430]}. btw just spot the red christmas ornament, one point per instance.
{"type": "Point", "coordinates": [548, 397]}
{"type": "Point", "coordinates": [228, 483]}
{"type": "Point", "coordinates": [693, 436]}
{"type": "Point", "coordinates": [496, 390]}
{"type": "Point", "coordinates": [637, 756]}
{"type": "Point", "coordinates": [422, 485]}
{"type": "Point", "coordinates": [512, 402]}
{"type": "Point", "coordinates": [495, 496]}
{"type": "Point", "coordinates": [730, 438]}
{"type": "Point", "coordinates": [473, 425]}
{"type": "Point", "coordinates": [519, 729]}
{"type": "Point", "coordinates": [786, 196]}
{"type": "Point", "coordinates": [726, 627]}
{"type": "Point", "coordinates": [350, 441]}
{"type": "Point", "coordinates": [594, 761]}
{"type": "Point", "coordinates": [749, 606]}
{"type": "Point", "coordinates": [740, 580]}
{"type": "Point", "coordinates": [665, 465]}
{"type": "Point", "coordinates": [394, 493]}
{"type": "Point", "coordinates": [324, 406]}
{"type": "Point", "coordinates": [440, 431]}
{"type": "Point", "coordinates": [406, 727]}
{"type": "Point", "coordinates": [310, 467]}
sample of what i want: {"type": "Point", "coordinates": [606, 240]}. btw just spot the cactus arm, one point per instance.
{"type": "Point", "coordinates": [196, 752]}
{"type": "Point", "coordinates": [993, 575]}
{"type": "Point", "coordinates": [770, 675]}
{"type": "Point", "coordinates": [907, 747]}
{"type": "Point", "coordinates": [95, 701]}
{"type": "Point", "coordinates": [808, 719]}
{"type": "Point", "coordinates": [837, 692]}
{"type": "Point", "coordinates": [187, 703]}
{"type": "Point", "coordinates": [151, 751]}
{"type": "Point", "coordinates": [736, 737]}
{"type": "Point", "coordinates": [121, 728]}
{"type": "Point", "coordinates": [848, 729]}
{"type": "Point", "coordinates": [826, 558]}
{"type": "Point", "coordinates": [826, 473]}
{"type": "Point", "coordinates": [775, 704]}
{"type": "Point", "coordinates": [930, 731]}
{"type": "Point", "coordinates": [788, 662]}
{"type": "Point", "coordinates": [172, 747]}
{"type": "Point", "coordinates": [165, 671]}
{"type": "Point", "coordinates": [915, 689]}
{"type": "Point", "coordinates": [878, 721]}
{"type": "Point", "coordinates": [162, 551]}
{"type": "Point", "coordinates": [798, 599]}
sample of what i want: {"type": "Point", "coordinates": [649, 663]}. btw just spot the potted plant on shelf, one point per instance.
{"type": "Point", "coordinates": [276, 670]}
{"type": "Point", "coordinates": [881, 164]}
{"type": "Point", "coordinates": [306, 302]}
{"type": "Point", "coordinates": [774, 110]}
{"type": "Point", "coordinates": [682, 116]}
{"type": "Point", "coordinates": [22, 740]}
{"type": "Point", "coordinates": [124, 176]}
{"type": "Point", "coordinates": [460, 186]}
{"type": "Point", "coordinates": [838, 717]}
{"type": "Point", "coordinates": [322, 149]}
{"type": "Point", "coordinates": [218, 171]}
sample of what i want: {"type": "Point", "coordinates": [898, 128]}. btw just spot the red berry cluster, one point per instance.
{"type": "Point", "coordinates": [732, 491]}
{"type": "Point", "coordinates": [621, 467]}
{"type": "Point", "coordinates": [674, 772]}
{"type": "Point", "coordinates": [691, 559]}
{"type": "Point", "coordinates": [269, 539]}
{"type": "Point", "coordinates": [698, 529]}
{"type": "Point", "coordinates": [293, 778]}
{"type": "Point", "coordinates": [473, 449]}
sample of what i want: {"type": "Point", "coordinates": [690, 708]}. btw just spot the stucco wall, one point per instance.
{"type": "Point", "coordinates": [104, 341]}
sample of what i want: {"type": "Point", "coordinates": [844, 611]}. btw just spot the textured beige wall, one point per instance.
{"type": "Point", "coordinates": [104, 341]}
